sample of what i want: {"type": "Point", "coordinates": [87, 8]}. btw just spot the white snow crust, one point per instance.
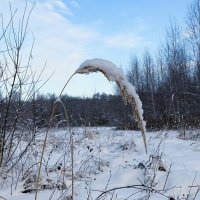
{"type": "Point", "coordinates": [113, 73]}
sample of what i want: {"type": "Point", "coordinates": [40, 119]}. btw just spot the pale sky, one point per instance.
{"type": "Point", "coordinates": [68, 32]}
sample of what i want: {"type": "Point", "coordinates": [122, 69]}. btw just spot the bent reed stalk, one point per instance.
{"type": "Point", "coordinates": [127, 90]}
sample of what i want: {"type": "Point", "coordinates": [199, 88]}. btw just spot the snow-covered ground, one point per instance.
{"type": "Point", "coordinates": [110, 161]}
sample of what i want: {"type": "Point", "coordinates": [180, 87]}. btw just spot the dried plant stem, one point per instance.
{"type": "Point", "coordinates": [139, 125]}
{"type": "Point", "coordinates": [66, 84]}
{"type": "Point", "coordinates": [43, 148]}
{"type": "Point", "coordinates": [141, 187]}
{"type": "Point", "coordinates": [167, 177]}
{"type": "Point", "coordinates": [72, 163]}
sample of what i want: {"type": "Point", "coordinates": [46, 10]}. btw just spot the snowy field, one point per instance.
{"type": "Point", "coordinates": [107, 164]}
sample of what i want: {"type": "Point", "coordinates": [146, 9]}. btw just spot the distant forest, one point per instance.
{"type": "Point", "coordinates": [168, 83]}
{"type": "Point", "coordinates": [171, 112]}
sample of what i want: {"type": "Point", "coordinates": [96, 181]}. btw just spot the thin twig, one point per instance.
{"type": "Point", "coordinates": [192, 185]}
{"type": "Point", "coordinates": [167, 177]}
{"type": "Point", "coordinates": [140, 187]}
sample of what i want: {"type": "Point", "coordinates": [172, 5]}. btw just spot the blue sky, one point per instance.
{"type": "Point", "coordinates": [67, 32]}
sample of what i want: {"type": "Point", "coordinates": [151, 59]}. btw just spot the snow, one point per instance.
{"type": "Point", "coordinates": [105, 158]}
{"type": "Point", "coordinates": [113, 73]}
